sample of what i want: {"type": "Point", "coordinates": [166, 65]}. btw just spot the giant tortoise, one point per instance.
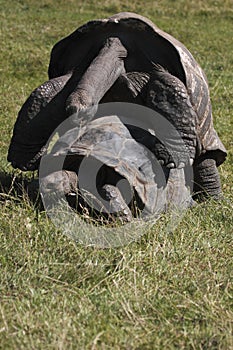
{"type": "Point", "coordinates": [102, 168]}
{"type": "Point", "coordinates": [125, 58]}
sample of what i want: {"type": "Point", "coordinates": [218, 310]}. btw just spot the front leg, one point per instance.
{"type": "Point", "coordinates": [168, 96]}
{"type": "Point", "coordinates": [37, 119]}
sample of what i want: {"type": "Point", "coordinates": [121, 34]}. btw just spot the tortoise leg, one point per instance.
{"type": "Point", "coordinates": [175, 126]}
{"type": "Point", "coordinates": [34, 123]}
{"type": "Point", "coordinates": [206, 179]}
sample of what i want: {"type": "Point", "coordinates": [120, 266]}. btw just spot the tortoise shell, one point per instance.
{"type": "Point", "coordinates": [146, 44]}
{"type": "Point", "coordinates": [108, 141]}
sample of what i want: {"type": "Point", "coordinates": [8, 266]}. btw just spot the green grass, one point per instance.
{"type": "Point", "coordinates": [166, 291]}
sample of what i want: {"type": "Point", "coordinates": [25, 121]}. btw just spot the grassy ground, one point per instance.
{"type": "Point", "coordinates": [166, 291]}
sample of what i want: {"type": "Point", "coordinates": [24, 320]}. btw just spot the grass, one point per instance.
{"type": "Point", "coordinates": [166, 291]}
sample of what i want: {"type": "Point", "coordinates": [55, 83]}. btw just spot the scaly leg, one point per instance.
{"type": "Point", "coordinates": [206, 179]}
{"type": "Point", "coordinates": [176, 142]}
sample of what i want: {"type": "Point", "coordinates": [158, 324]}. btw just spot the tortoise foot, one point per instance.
{"type": "Point", "coordinates": [171, 158]}
{"type": "Point", "coordinates": [206, 179]}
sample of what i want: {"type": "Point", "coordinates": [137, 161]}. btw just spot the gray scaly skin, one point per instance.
{"type": "Point", "coordinates": [168, 96]}
{"type": "Point", "coordinates": [30, 130]}
{"type": "Point", "coordinates": [206, 179]}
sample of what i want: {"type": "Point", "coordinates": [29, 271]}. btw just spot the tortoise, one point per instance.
{"type": "Point", "coordinates": [125, 58]}
{"type": "Point", "coordinates": [112, 156]}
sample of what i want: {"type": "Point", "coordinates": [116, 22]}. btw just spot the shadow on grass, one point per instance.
{"type": "Point", "coordinates": [16, 187]}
